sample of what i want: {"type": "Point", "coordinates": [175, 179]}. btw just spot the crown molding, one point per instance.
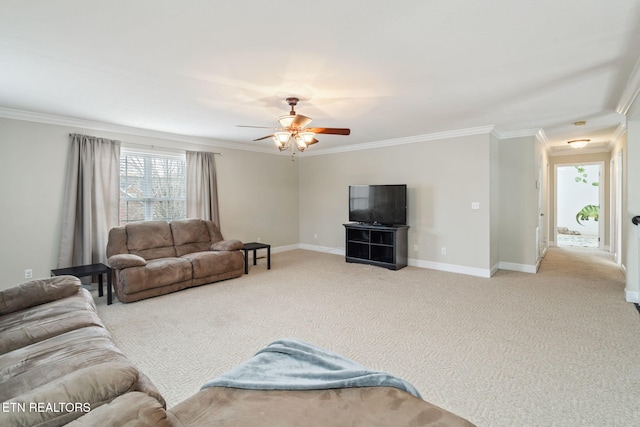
{"type": "Point", "coordinates": [541, 136]}
{"type": "Point", "coordinates": [52, 119]}
{"type": "Point", "coordinates": [630, 91]}
{"type": "Point", "coordinates": [209, 142]}
{"type": "Point", "coordinates": [619, 133]}
{"type": "Point", "coordinates": [129, 130]}
{"type": "Point", "coordinates": [621, 130]}
{"type": "Point", "coordinates": [481, 130]}
{"type": "Point", "coordinates": [515, 133]}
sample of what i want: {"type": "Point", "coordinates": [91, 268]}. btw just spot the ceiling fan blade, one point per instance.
{"type": "Point", "coordinates": [300, 121]}
{"type": "Point", "coordinates": [330, 131]}
{"type": "Point", "coordinates": [312, 142]}
{"type": "Point", "coordinates": [264, 137]}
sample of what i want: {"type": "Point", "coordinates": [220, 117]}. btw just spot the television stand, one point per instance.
{"type": "Point", "coordinates": [380, 245]}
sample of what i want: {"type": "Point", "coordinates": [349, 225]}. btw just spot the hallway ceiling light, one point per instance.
{"type": "Point", "coordinates": [578, 143]}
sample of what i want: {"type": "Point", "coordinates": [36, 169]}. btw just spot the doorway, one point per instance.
{"type": "Point", "coordinates": [579, 208]}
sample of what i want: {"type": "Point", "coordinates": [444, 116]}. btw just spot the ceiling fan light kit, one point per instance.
{"type": "Point", "coordinates": [293, 131]}
{"type": "Point", "coordinates": [302, 140]}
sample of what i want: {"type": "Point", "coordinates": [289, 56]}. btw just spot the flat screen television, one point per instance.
{"type": "Point", "coordinates": [378, 204]}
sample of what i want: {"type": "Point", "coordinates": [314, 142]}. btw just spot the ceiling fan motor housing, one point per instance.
{"type": "Point", "coordinates": [292, 103]}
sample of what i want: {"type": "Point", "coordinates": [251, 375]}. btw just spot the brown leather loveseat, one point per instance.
{"type": "Point", "coordinates": [154, 258]}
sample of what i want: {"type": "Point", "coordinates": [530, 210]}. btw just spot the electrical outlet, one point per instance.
{"type": "Point", "coordinates": [258, 240]}
{"type": "Point", "coordinates": [315, 236]}
{"type": "Point", "coordinates": [415, 248]}
{"type": "Point", "coordinates": [28, 273]}
{"type": "Point", "coordinates": [443, 251]}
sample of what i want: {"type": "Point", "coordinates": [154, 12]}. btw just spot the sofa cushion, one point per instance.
{"type": "Point", "coordinates": [38, 291]}
{"type": "Point", "coordinates": [190, 235]}
{"type": "Point", "coordinates": [28, 368]}
{"type": "Point", "coordinates": [362, 406]}
{"type": "Point", "coordinates": [150, 239]}
{"type": "Point", "coordinates": [130, 409]}
{"type": "Point", "coordinates": [212, 263]}
{"type": "Point", "coordinates": [34, 324]}
{"type": "Point", "coordinates": [74, 395]}
{"type": "Point", "coordinates": [158, 272]}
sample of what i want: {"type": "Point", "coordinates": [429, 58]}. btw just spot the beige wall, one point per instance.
{"type": "Point", "coordinates": [305, 202]}
{"type": "Point", "coordinates": [258, 196]}
{"type": "Point", "coordinates": [32, 179]}
{"type": "Point", "coordinates": [518, 202]}
{"type": "Point", "coordinates": [257, 193]}
{"type": "Point", "coordinates": [443, 177]}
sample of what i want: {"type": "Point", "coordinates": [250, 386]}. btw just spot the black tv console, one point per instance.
{"type": "Point", "coordinates": [380, 245]}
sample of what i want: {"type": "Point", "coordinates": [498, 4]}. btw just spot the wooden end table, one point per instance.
{"type": "Point", "coordinates": [90, 270]}
{"type": "Point", "coordinates": [254, 246]}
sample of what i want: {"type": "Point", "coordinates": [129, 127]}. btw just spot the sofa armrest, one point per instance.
{"type": "Point", "coordinates": [36, 292]}
{"type": "Point", "coordinates": [227, 245]}
{"type": "Point", "coordinates": [121, 261]}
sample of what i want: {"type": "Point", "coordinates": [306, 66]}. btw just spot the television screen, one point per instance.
{"type": "Point", "coordinates": [378, 204]}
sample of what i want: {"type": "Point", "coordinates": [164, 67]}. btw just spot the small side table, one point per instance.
{"type": "Point", "coordinates": [254, 246]}
{"type": "Point", "coordinates": [90, 270]}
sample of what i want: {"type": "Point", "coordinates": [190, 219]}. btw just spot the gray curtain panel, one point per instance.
{"type": "Point", "coordinates": [91, 201]}
{"type": "Point", "coordinates": [202, 186]}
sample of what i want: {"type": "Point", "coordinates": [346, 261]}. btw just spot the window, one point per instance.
{"type": "Point", "coordinates": [152, 186]}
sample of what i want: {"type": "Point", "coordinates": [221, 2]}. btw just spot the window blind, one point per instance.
{"type": "Point", "coordinates": [152, 186]}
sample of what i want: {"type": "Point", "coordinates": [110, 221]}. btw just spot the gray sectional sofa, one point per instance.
{"type": "Point", "coordinates": [154, 258]}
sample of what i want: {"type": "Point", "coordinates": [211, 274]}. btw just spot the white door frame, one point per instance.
{"type": "Point", "coordinates": [601, 184]}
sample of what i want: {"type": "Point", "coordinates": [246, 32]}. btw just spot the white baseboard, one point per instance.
{"type": "Point", "coordinates": [412, 262]}
{"type": "Point", "coordinates": [523, 268]}
{"type": "Point", "coordinates": [278, 249]}
{"type": "Point", "coordinates": [326, 249]}
{"type": "Point", "coordinates": [451, 268]}
{"type": "Point", "coordinates": [632, 296]}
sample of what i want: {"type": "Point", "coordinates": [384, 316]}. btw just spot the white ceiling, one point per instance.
{"type": "Point", "coordinates": [390, 71]}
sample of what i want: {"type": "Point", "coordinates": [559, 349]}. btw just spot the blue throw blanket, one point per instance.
{"type": "Point", "coordinates": [290, 364]}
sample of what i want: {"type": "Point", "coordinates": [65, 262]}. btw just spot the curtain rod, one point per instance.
{"type": "Point", "coordinates": [154, 147]}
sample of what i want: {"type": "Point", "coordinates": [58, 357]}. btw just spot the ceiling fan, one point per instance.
{"type": "Point", "coordinates": [293, 131]}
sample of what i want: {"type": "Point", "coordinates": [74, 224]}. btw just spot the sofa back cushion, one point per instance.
{"type": "Point", "coordinates": [36, 292]}
{"type": "Point", "coordinates": [190, 235]}
{"type": "Point", "coordinates": [214, 231]}
{"type": "Point", "coordinates": [150, 239]}
{"type": "Point", "coordinates": [117, 243]}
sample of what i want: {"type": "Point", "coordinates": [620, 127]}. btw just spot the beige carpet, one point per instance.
{"type": "Point", "coordinates": [561, 347]}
